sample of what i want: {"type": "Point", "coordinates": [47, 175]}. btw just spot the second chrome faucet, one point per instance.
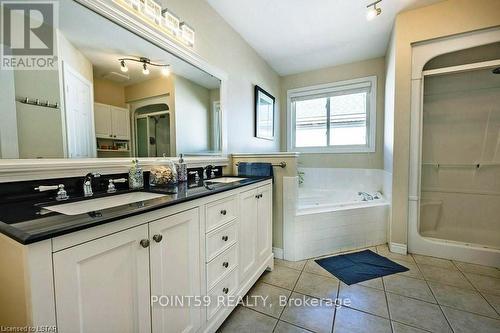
{"type": "Point", "coordinates": [87, 183]}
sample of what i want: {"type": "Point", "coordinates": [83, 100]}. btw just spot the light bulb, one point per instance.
{"type": "Point", "coordinates": [372, 13]}
{"type": "Point", "coordinates": [124, 67]}
{"type": "Point", "coordinates": [165, 71]}
{"type": "Point", "coordinates": [145, 69]}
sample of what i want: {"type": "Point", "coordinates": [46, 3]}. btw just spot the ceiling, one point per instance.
{"type": "Point", "coordinates": [294, 36]}
{"type": "Point", "coordinates": [103, 43]}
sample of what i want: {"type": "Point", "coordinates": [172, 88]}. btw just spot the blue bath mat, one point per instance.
{"type": "Point", "coordinates": [359, 266]}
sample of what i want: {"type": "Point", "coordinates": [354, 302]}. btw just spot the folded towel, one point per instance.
{"type": "Point", "coordinates": [255, 169]}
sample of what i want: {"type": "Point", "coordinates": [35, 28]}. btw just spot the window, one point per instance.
{"type": "Point", "coordinates": [338, 117]}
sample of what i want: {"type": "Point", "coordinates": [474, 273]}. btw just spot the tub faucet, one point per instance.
{"type": "Point", "coordinates": [365, 196]}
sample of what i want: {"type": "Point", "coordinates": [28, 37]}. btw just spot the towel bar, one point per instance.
{"type": "Point", "coordinates": [281, 164]}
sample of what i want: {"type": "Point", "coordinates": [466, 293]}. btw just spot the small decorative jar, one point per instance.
{"type": "Point", "coordinates": [135, 176]}
{"type": "Point", "coordinates": [163, 175]}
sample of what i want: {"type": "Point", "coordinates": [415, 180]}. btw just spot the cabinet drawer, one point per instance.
{"type": "Point", "coordinates": [221, 239]}
{"type": "Point", "coordinates": [226, 287]}
{"type": "Point", "coordinates": [220, 212]}
{"type": "Point", "coordinates": [221, 266]}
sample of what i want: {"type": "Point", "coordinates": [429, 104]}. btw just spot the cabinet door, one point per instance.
{"type": "Point", "coordinates": [265, 222]}
{"type": "Point", "coordinates": [248, 234]}
{"type": "Point", "coordinates": [103, 285]}
{"type": "Point", "coordinates": [102, 119]}
{"type": "Point", "coordinates": [176, 271]}
{"type": "Point", "coordinates": [120, 123]}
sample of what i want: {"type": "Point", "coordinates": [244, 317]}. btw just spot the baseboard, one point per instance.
{"type": "Point", "coordinates": [398, 248]}
{"type": "Point", "coordinates": [278, 253]}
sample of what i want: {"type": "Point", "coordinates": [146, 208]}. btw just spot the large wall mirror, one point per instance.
{"type": "Point", "coordinates": [151, 104]}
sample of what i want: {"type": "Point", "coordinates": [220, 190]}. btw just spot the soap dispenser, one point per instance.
{"type": "Point", "coordinates": [182, 172]}
{"type": "Point", "coordinates": [135, 176]}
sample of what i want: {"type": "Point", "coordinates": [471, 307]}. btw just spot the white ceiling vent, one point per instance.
{"type": "Point", "coordinates": [116, 77]}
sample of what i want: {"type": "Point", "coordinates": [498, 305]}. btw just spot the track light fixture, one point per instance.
{"type": "Point", "coordinates": [145, 69]}
{"type": "Point", "coordinates": [373, 10]}
{"type": "Point", "coordinates": [165, 69]}
{"type": "Point", "coordinates": [123, 67]}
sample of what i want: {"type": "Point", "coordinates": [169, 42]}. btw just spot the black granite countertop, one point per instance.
{"type": "Point", "coordinates": [26, 221]}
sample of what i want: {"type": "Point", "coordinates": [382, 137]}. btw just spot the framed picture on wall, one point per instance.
{"type": "Point", "coordinates": [264, 114]}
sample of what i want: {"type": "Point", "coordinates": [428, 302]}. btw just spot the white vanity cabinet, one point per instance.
{"type": "Point", "coordinates": [175, 271]}
{"type": "Point", "coordinates": [103, 285]}
{"type": "Point", "coordinates": [255, 229]}
{"type": "Point", "coordinates": [111, 122]}
{"type": "Point", "coordinates": [107, 278]}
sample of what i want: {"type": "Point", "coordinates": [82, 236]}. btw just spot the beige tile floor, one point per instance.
{"type": "Point", "coordinates": [436, 295]}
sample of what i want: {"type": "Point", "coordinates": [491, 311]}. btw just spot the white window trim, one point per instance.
{"type": "Point", "coordinates": [331, 88]}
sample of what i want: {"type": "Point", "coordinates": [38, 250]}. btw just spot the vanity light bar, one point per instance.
{"type": "Point", "coordinates": [171, 22]}
{"type": "Point", "coordinates": [187, 34]}
{"type": "Point", "coordinates": [163, 19]}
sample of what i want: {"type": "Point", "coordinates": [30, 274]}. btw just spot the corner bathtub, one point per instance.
{"type": "Point", "coordinates": [326, 215]}
{"type": "Point", "coordinates": [320, 201]}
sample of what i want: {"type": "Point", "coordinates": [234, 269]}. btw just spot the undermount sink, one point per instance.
{"type": "Point", "coordinates": [224, 180]}
{"type": "Point", "coordinates": [92, 205]}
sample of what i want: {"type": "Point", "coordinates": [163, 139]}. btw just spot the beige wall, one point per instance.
{"type": "Point", "coordinates": [221, 46]}
{"type": "Point", "coordinates": [442, 19]}
{"type": "Point", "coordinates": [74, 58]}
{"type": "Point", "coordinates": [151, 88]}
{"type": "Point", "coordinates": [332, 74]}
{"type": "Point", "coordinates": [109, 92]}
{"type": "Point", "coordinates": [14, 291]}
{"type": "Point", "coordinates": [192, 124]}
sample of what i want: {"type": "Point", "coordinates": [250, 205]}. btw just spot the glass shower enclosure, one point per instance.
{"type": "Point", "coordinates": [153, 130]}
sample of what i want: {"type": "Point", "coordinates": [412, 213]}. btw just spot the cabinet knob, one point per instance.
{"type": "Point", "coordinates": [225, 264]}
{"type": "Point", "coordinates": [225, 238]}
{"type": "Point", "coordinates": [258, 196]}
{"type": "Point", "coordinates": [111, 135]}
{"type": "Point", "coordinates": [157, 238]}
{"type": "Point", "coordinates": [144, 243]}
{"type": "Point", "coordinates": [223, 212]}
{"type": "Point", "coordinates": [225, 290]}
{"type": "Point", "coordinates": [114, 136]}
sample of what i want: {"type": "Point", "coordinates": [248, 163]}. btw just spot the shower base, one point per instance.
{"type": "Point", "coordinates": [476, 237]}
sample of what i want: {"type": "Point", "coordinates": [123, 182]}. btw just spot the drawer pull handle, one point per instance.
{"type": "Point", "coordinates": [225, 264]}
{"type": "Point", "coordinates": [223, 212]}
{"type": "Point", "coordinates": [157, 238]}
{"type": "Point", "coordinates": [144, 243]}
{"type": "Point", "coordinates": [225, 238]}
{"type": "Point", "coordinates": [225, 290]}
{"type": "Point", "coordinates": [258, 196]}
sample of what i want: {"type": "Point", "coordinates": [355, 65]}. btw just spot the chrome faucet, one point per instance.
{"type": "Point", "coordinates": [87, 183]}
{"type": "Point", "coordinates": [61, 193]}
{"type": "Point", "coordinates": [206, 171]}
{"type": "Point", "coordinates": [112, 182]}
{"type": "Point", "coordinates": [365, 196]}
{"type": "Point", "coordinates": [196, 175]}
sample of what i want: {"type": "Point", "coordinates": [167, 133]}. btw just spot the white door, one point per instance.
{"type": "Point", "coordinates": [102, 116]}
{"type": "Point", "coordinates": [176, 271]}
{"type": "Point", "coordinates": [264, 224]}
{"type": "Point", "coordinates": [78, 104]}
{"type": "Point", "coordinates": [248, 234]}
{"type": "Point", "coordinates": [103, 285]}
{"type": "Point", "coordinates": [120, 122]}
